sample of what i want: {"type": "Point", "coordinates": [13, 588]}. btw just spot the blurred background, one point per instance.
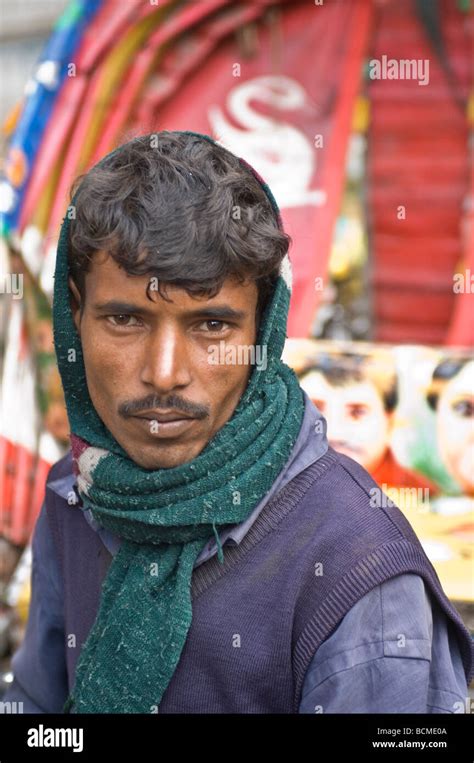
{"type": "Point", "coordinates": [359, 114]}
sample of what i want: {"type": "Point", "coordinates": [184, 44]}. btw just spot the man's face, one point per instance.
{"type": "Point", "coordinates": [358, 425]}
{"type": "Point", "coordinates": [455, 425]}
{"type": "Point", "coordinates": [144, 357]}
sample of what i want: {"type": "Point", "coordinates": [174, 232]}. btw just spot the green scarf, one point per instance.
{"type": "Point", "coordinates": [165, 517]}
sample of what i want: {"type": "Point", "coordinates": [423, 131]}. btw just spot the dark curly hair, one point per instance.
{"type": "Point", "coordinates": [180, 208]}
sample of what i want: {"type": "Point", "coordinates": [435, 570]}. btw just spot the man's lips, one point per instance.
{"type": "Point", "coordinates": [165, 425]}
{"type": "Point", "coordinates": [163, 417]}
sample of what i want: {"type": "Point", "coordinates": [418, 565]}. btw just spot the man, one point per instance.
{"type": "Point", "coordinates": [201, 548]}
{"type": "Point", "coordinates": [451, 395]}
{"type": "Point", "coordinates": [357, 394]}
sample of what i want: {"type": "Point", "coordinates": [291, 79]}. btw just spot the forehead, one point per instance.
{"type": "Point", "coordinates": [463, 382]}
{"type": "Point", "coordinates": [352, 391]}
{"type": "Point", "coordinates": [106, 280]}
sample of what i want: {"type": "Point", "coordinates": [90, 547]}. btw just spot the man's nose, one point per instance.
{"type": "Point", "coordinates": [166, 360]}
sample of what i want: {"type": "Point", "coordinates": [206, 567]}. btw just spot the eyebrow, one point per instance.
{"type": "Point", "coordinates": [220, 312]}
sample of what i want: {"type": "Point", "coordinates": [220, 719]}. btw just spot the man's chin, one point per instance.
{"type": "Point", "coordinates": [151, 459]}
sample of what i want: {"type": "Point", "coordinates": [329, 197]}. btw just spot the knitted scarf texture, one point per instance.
{"type": "Point", "coordinates": [165, 517]}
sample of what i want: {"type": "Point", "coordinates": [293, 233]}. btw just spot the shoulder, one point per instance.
{"type": "Point", "coordinates": [392, 619]}
{"type": "Point", "coordinates": [392, 652]}
{"type": "Point", "coordinates": [343, 483]}
{"type": "Point", "coordinates": [61, 478]}
{"type": "Point", "coordinates": [357, 547]}
{"type": "Point", "coordinates": [343, 510]}
{"type": "Point", "coordinates": [62, 468]}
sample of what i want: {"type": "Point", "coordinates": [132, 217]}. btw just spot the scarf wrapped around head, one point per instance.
{"type": "Point", "coordinates": [165, 517]}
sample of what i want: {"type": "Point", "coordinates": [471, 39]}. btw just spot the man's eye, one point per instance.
{"type": "Point", "coordinates": [122, 319]}
{"type": "Point", "coordinates": [213, 328]}
{"type": "Point", "coordinates": [464, 408]}
{"type": "Point", "coordinates": [357, 411]}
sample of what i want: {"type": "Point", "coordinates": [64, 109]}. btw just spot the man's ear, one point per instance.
{"type": "Point", "coordinates": [75, 302]}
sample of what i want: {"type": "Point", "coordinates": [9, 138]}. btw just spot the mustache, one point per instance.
{"type": "Point", "coordinates": [153, 402]}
